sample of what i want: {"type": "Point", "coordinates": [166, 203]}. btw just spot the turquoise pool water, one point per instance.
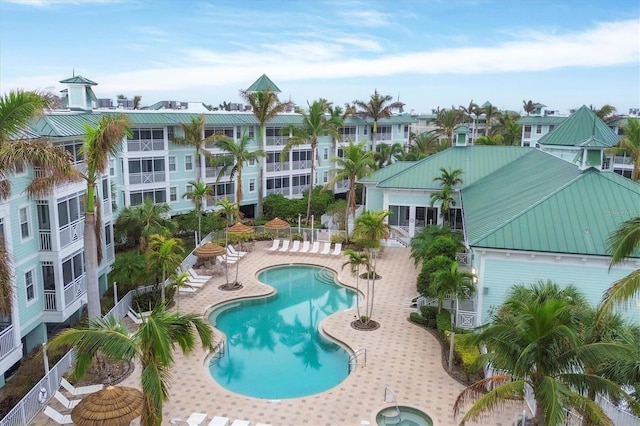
{"type": "Point", "coordinates": [274, 349]}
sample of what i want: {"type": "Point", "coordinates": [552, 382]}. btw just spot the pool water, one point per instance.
{"type": "Point", "coordinates": [274, 349]}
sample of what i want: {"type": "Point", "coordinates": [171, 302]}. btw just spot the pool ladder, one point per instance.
{"type": "Point", "coordinates": [353, 359]}
{"type": "Point", "coordinates": [389, 396]}
{"type": "Point", "coordinates": [218, 353]}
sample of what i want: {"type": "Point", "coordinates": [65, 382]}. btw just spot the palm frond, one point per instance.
{"type": "Point", "coordinates": [504, 389]}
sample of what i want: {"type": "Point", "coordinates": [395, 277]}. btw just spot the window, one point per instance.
{"type": "Point", "coordinates": [189, 188]}
{"type": "Point", "coordinates": [107, 234]}
{"type": "Point", "coordinates": [146, 170]}
{"type": "Point", "coordinates": [30, 289]}
{"type": "Point", "coordinates": [252, 185]}
{"type": "Point", "coordinates": [325, 177]}
{"type": "Point", "coordinates": [226, 131]}
{"type": "Point", "coordinates": [72, 268]}
{"type": "Point", "coordinates": [252, 162]}
{"type": "Point", "coordinates": [172, 163]}
{"type": "Point", "coordinates": [188, 162]}
{"type": "Point", "coordinates": [158, 196]}
{"type": "Point", "coordinates": [325, 154]}
{"type": "Point", "coordinates": [75, 151]}
{"type": "Point", "coordinates": [527, 131]}
{"type": "Point", "coordinates": [173, 193]}
{"type": "Point", "coordinates": [551, 127]}
{"type": "Point", "coordinates": [146, 140]}
{"type": "Point", "coordinates": [112, 167]}
{"type": "Point", "coordinates": [538, 129]}
{"type": "Point", "coordinates": [25, 226]}
{"type": "Point", "coordinates": [105, 189]}
{"type": "Point", "coordinates": [70, 210]}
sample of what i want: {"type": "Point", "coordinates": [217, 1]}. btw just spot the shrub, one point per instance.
{"type": "Point", "coordinates": [442, 246]}
{"type": "Point", "coordinates": [417, 318]}
{"type": "Point", "coordinates": [296, 236]}
{"type": "Point", "coordinates": [423, 282]}
{"type": "Point", "coordinates": [338, 238]}
{"type": "Point", "coordinates": [429, 313]}
{"type": "Point", "coordinates": [443, 321]}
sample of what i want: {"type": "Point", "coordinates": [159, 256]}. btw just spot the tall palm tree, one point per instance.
{"type": "Point", "coordinates": [129, 270]}
{"type": "Point", "coordinates": [426, 143]}
{"type": "Point", "coordinates": [239, 154]}
{"type": "Point", "coordinates": [17, 108]}
{"type": "Point", "coordinates": [630, 145]}
{"type": "Point", "coordinates": [540, 344]}
{"type": "Point", "coordinates": [194, 137]}
{"type": "Point", "coordinates": [199, 193]}
{"type": "Point", "coordinates": [140, 222]}
{"type": "Point", "coordinates": [606, 113]}
{"type": "Point", "coordinates": [446, 200]}
{"type": "Point", "coordinates": [228, 210]}
{"type": "Point", "coordinates": [166, 253]}
{"type": "Point", "coordinates": [490, 113]}
{"type": "Point", "coordinates": [528, 106]}
{"type": "Point", "coordinates": [471, 113]}
{"type": "Point", "coordinates": [355, 260]}
{"type": "Point", "coordinates": [508, 128]}
{"type": "Point", "coordinates": [453, 283]}
{"type": "Point", "coordinates": [446, 122]}
{"type": "Point", "coordinates": [152, 346]}
{"type": "Point", "coordinates": [101, 142]}
{"type": "Point", "coordinates": [376, 108]}
{"type": "Point", "coordinates": [623, 243]}
{"type": "Point", "coordinates": [449, 177]}
{"type": "Point", "coordinates": [265, 106]}
{"type": "Point", "coordinates": [371, 227]}
{"type": "Point", "coordinates": [386, 153]}
{"type": "Point", "coordinates": [315, 124]}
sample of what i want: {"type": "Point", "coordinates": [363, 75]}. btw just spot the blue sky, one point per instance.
{"type": "Point", "coordinates": [429, 53]}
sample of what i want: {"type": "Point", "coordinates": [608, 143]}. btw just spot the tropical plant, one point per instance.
{"type": "Point", "coordinates": [445, 198]}
{"type": "Point", "coordinates": [228, 210]}
{"type": "Point", "coordinates": [17, 108]}
{"type": "Point", "coordinates": [606, 113]}
{"type": "Point", "coordinates": [376, 108]}
{"type": "Point", "coordinates": [630, 145]}
{"type": "Point", "coordinates": [193, 132]}
{"type": "Point", "coordinates": [508, 129]}
{"type": "Point", "coordinates": [429, 267]}
{"type": "Point", "coordinates": [452, 283]}
{"type": "Point", "coordinates": [471, 114]}
{"type": "Point", "coordinates": [200, 191]}
{"type": "Point", "coordinates": [490, 113]}
{"type": "Point", "coordinates": [238, 154]}
{"type": "Point", "coordinates": [422, 242]}
{"type": "Point", "coordinates": [489, 140]}
{"type": "Point", "coordinates": [446, 122]}
{"type": "Point", "coordinates": [138, 223]}
{"type": "Point", "coordinates": [129, 270]}
{"type": "Point", "coordinates": [179, 280]}
{"type": "Point", "coordinates": [528, 106]}
{"type": "Point", "coordinates": [424, 145]}
{"type": "Point", "coordinates": [265, 106]}
{"type": "Point", "coordinates": [371, 227]}
{"type": "Point", "coordinates": [136, 101]}
{"type": "Point", "coordinates": [355, 260]}
{"type": "Point", "coordinates": [622, 244]}
{"type": "Point", "coordinates": [387, 153]}
{"type": "Point", "coordinates": [449, 177]}
{"type": "Point", "coordinates": [101, 142]}
{"type": "Point", "coordinates": [152, 346]}
{"type": "Point", "coordinates": [539, 343]}
{"type": "Point", "coordinates": [315, 124]}
{"type": "Point", "coordinates": [165, 253]}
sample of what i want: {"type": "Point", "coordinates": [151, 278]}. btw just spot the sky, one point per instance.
{"type": "Point", "coordinates": [427, 54]}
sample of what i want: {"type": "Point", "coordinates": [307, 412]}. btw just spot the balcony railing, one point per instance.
{"type": "Point", "coordinates": [213, 201]}
{"type": "Point", "coordinates": [286, 191]}
{"type": "Point", "coordinates": [463, 259]}
{"type": "Point", "coordinates": [45, 240]}
{"type": "Point", "coordinates": [380, 137]}
{"type": "Point", "coordinates": [214, 172]}
{"type": "Point", "coordinates": [276, 140]}
{"type": "Point", "coordinates": [106, 207]}
{"type": "Point", "coordinates": [146, 177]}
{"type": "Point", "coordinates": [7, 341]}
{"type": "Point", "coordinates": [295, 190]}
{"type": "Point", "coordinates": [110, 252]}
{"type": "Point", "coordinates": [622, 159]}
{"type": "Point", "coordinates": [145, 145]}
{"type": "Point", "coordinates": [71, 232]}
{"type": "Point", "coordinates": [75, 289]}
{"type": "Point", "coordinates": [301, 165]}
{"type": "Point", "coordinates": [50, 300]}
{"type": "Point", "coordinates": [277, 167]}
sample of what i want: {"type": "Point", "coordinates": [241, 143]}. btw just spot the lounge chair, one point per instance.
{"type": "Point", "coordinates": [196, 419]}
{"type": "Point", "coordinates": [231, 255]}
{"type": "Point", "coordinates": [197, 279]}
{"type": "Point", "coordinates": [237, 422]}
{"type": "Point", "coordinates": [285, 246]}
{"type": "Point", "coordinates": [197, 275]}
{"type": "Point", "coordinates": [305, 247]}
{"type": "Point", "coordinates": [235, 252]}
{"type": "Point", "coordinates": [219, 421]}
{"type": "Point", "coordinates": [226, 259]}
{"type": "Point", "coordinates": [196, 284]}
{"type": "Point", "coordinates": [64, 401]}
{"type": "Point", "coordinates": [134, 317]}
{"type": "Point", "coordinates": [275, 246]}
{"type": "Point", "coordinates": [315, 248]}
{"type": "Point", "coordinates": [186, 290]}
{"type": "Point", "coordinates": [296, 247]}
{"type": "Point", "coordinates": [57, 417]}
{"type": "Point", "coordinates": [81, 390]}
{"type": "Point", "coordinates": [337, 250]}
{"type": "Point", "coordinates": [326, 249]}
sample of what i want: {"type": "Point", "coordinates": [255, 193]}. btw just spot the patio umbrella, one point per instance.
{"type": "Point", "coordinates": [209, 250]}
{"type": "Point", "coordinates": [240, 229]}
{"type": "Point", "coordinates": [111, 406]}
{"type": "Point", "coordinates": [277, 224]}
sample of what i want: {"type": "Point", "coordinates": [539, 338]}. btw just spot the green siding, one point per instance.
{"type": "Point", "coordinates": [375, 199]}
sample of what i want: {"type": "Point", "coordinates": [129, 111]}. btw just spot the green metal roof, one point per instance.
{"type": "Point", "coordinates": [576, 218]}
{"type": "Point", "coordinates": [387, 171]}
{"type": "Point", "coordinates": [263, 84]}
{"type": "Point", "coordinates": [78, 79]}
{"type": "Point", "coordinates": [582, 128]}
{"type": "Point", "coordinates": [549, 119]}
{"type": "Point", "coordinates": [475, 161]}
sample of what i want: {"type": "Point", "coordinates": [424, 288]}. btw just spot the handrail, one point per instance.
{"type": "Point", "coordinates": [393, 399]}
{"type": "Point", "coordinates": [353, 359]}
{"type": "Point", "coordinates": [218, 353]}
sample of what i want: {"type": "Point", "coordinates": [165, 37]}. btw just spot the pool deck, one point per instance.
{"type": "Point", "coordinates": [399, 355]}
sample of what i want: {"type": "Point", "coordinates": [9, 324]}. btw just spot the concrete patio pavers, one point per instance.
{"type": "Point", "coordinates": [399, 354]}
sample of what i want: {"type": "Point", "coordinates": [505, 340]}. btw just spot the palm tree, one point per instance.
{"type": "Point", "coordinates": [471, 113]}
{"type": "Point", "coordinates": [446, 122]}
{"type": "Point", "coordinates": [446, 200]}
{"type": "Point", "coordinates": [371, 227]}
{"type": "Point", "coordinates": [239, 154]}
{"type": "Point", "coordinates": [630, 145]}
{"type": "Point", "coordinates": [101, 142]}
{"type": "Point", "coordinates": [540, 344]}
{"type": "Point", "coordinates": [508, 128]}
{"type": "Point", "coordinates": [199, 193]}
{"type": "Point", "coordinates": [17, 108]}
{"type": "Point", "coordinates": [453, 283]}
{"type": "Point", "coordinates": [265, 106]}
{"type": "Point", "coordinates": [386, 153]}
{"type": "Point", "coordinates": [606, 113]}
{"type": "Point", "coordinates": [152, 346]}
{"type": "Point", "coordinates": [166, 253]}
{"type": "Point", "coordinates": [315, 124]}
{"type": "Point", "coordinates": [129, 270]}
{"type": "Point", "coordinates": [194, 136]}
{"type": "Point", "coordinates": [422, 241]}
{"type": "Point", "coordinates": [355, 260]}
{"type": "Point", "coordinates": [490, 112]}
{"type": "Point", "coordinates": [426, 144]}
{"type": "Point", "coordinates": [623, 243]}
{"type": "Point", "coordinates": [228, 210]}
{"type": "Point", "coordinates": [449, 177]}
{"type": "Point", "coordinates": [376, 108]}
{"type": "Point", "coordinates": [179, 280]}
{"type": "Point", "coordinates": [528, 106]}
{"type": "Point", "coordinates": [140, 222]}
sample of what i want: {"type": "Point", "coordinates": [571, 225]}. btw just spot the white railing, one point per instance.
{"type": "Point", "coordinates": [106, 207]}
{"type": "Point", "coordinates": [301, 165]}
{"type": "Point", "coordinates": [214, 172]}
{"type": "Point", "coordinates": [110, 252]}
{"type": "Point", "coordinates": [147, 177]}
{"type": "Point", "coordinates": [75, 289]}
{"type": "Point", "coordinates": [282, 191]}
{"type": "Point", "coordinates": [277, 167]}
{"type": "Point", "coordinates": [71, 232]}
{"type": "Point", "coordinates": [622, 159]}
{"type": "Point", "coordinates": [299, 189]}
{"type": "Point", "coordinates": [7, 341]}
{"type": "Point", "coordinates": [50, 300]}
{"type": "Point", "coordinates": [463, 259]}
{"type": "Point", "coordinates": [145, 145]}
{"type": "Point", "coordinates": [276, 140]}
{"type": "Point", "coordinates": [45, 240]}
{"type": "Point", "coordinates": [466, 319]}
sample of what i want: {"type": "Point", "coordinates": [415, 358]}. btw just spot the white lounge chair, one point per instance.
{"type": "Point", "coordinates": [197, 275]}
{"type": "Point", "coordinates": [69, 404]}
{"type": "Point", "coordinates": [315, 248]}
{"type": "Point", "coordinates": [285, 246]}
{"type": "Point", "coordinates": [196, 419]}
{"type": "Point", "coordinates": [237, 422]}
{"type": "Point", "coordinates": [196, 284]}
{"type": "Point", "coordinates": [275, 246]}
{"type": "Point", "coordinates": [219, 421]}
{"type": "Point", "coordinates": [231, 255]}
{"type": "Point", "coordinates": [235, 252]}
{"type": "Point", "coordinates": [57, 417]}
{"type": "Point", "coordinates": [305, 247]}
{"type": "Point", "coordinates": [198, 279]}
{"type": "Point", "coordinates": [326, 249]}
{"type": "Point", "coordinates": [337, 250]}
{"type": "Point", "coordinates": [226, 259]}
{"type": "Point", "coordinates": [81, 390]}
{"type": "Point", "coordinates": [187, 290]}
{"type": "Point", "coordinates": [134, 317]}
{"type": "Point", "coordinates": [296, 247]}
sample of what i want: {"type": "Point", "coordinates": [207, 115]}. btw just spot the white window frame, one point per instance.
{"type": "Point", "coordinates": [325, 177]}
{"type": "Point", "coordinates": [188, 188]}
{"type": "Point", "coordinates": [172, 163]}
{"type": "Point", "coordinates": [112, 167]}
{"type": "Point", "coordinates": [252, 185]}
{"type": "Point", "coordinates": [27, 221]}
{"type": "Point", "coordinates": [188, 159]}
{"type": "Point", "coordinates": [31, 273]}
{"type": "Point", "coordinates": [325, 154]}
{"type": "Point", "coordinates": [173, 194]}
{"type": "Point", "coordinates": [538, 129]}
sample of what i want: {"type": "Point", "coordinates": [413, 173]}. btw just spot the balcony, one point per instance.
{"type": "Point", "coordinates": [45, 241]}
{"type": "Point", "coordinates": [71, 233]}
{"type": "Point", "coordinates": [623, 160]}
{"type": "Point", "coordinates": [110, 252]}
{"type": "Point", "coordinates": [276, 140]}
{"type": "Point", "coordinates": [301, 165]}
{"type": "Point", "coordinates": [214, 172]}
{"type": "Point", "coordinates": [213, 201]}
{"type": "Point", "coordinates": [277, 167]}
{"type": "Point", "coordinates": [7, 341]}
{"type": "Point", "coordinates": [146, 177]}
{"type": "Point", "coordinates": [280, 191]}
{"type": "Point", "coordinates": [145, 145]}
{"type": "Point", "coordinates": [298, 190]}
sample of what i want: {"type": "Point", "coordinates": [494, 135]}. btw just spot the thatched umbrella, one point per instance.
{"type": "Point", "coordinates": [277, 224]}
{"type": "Point", "coordinates": [237, 229]}
{"type": "Point", "coordinates": [111, 406]}
{"type": "Point", "coordinates": [209, 250]}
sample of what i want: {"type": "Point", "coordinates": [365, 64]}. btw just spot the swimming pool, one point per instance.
{"type": "Point", "coordinates": [274, 349]}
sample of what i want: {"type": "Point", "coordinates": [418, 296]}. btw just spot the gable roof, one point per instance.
{"type": "Point", "coordinates": [78, 79]}
{"type": "Point", "coordinates": [476, 162]}
{"type": "Point", "coordinates": [387, 171]}
{"type": "Point", "coordinates": [582, 128]}
{"type": "Point", "coordinates": [263, 84]}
